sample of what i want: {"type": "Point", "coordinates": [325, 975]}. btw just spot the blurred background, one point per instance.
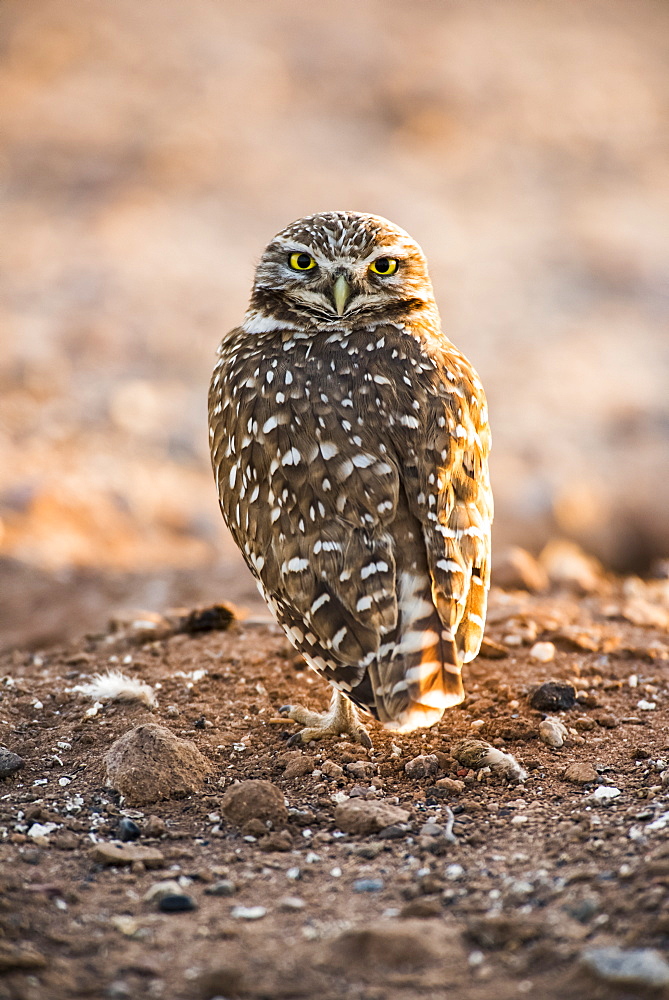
{"type": "Point", "coordinates": [149, 150]}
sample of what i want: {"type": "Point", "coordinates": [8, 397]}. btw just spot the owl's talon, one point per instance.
{"type": "Point", "coordinates": [364, 738]}
{"type": "Point", "coordinates": [341, 719]}
{"type": "Point", "coordinates": [295, 739]}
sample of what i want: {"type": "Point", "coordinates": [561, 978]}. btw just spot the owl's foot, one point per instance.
{"type": "Point", "coordinates": [341, 718]}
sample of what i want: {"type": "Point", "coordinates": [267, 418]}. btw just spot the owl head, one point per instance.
{"type": "Point", "coordinates": [343, 268]}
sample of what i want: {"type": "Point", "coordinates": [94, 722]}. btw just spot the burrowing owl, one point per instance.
{"type": "Point", "coordinates": [349, 440]}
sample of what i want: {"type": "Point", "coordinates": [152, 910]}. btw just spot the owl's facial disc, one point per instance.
{"type": "Point", "coordinates": [341, 268]}
{"type": "Point", "coordinates": [332, 286]}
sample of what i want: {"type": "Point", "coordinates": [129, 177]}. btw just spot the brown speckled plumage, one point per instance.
{"type": "Point", "coordinates": [349, 445]}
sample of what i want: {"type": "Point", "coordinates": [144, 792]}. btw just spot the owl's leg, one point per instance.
{"type": "Point", "coordinates": [341, 717]}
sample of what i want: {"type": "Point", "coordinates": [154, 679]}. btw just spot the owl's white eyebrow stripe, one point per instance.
{"type": "Point", "coordinates": [295, 246]}
{"type": "Point", "coordinates": [397, 250]}
{"type": "Point", "coordinates": [394, 250]}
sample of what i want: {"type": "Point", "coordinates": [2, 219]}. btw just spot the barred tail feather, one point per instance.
{"type": "Point", "coordinates": [416, 675]}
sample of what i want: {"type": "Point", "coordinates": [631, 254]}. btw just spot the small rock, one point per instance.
{"type": "Point", "coordinates": [160, 889]}
{"type": "Point", "coordinates": [553, 733]}
{"type": "Point", "coordinates": [362, 816]}
{"type": "Point", "coordinates": [605, 720]}
{"type": "Point", "coordinates": [291, 904]}
{"type": "Point", "coordinates": [248, 912]}
{"type": "Point", "coordinates": [118, 854]}
{"type": "Point", "coordinates": [177, 903]}
{"type": "Point", "coordinates": [277, 840]}
{"type": "Point", "coordinates": [127, 830]}
{"type": "Point", "coordinates": [254, 828]}
{"type": "Point", "coordinates": [422, 766]}
{"type": "Point", "coordinates": [151, 763]}
{"type": "Point", "coordinates": [641, 612]}
{"type": "Point", "coordinates": [368, 885]}
{"type": "Point", "coordinates": [9, 762]}
{"type": "Point", "coordinates": [125, 924]}
{"type": "Point", "coordinates": [224, 887]}
{"type": "Point", "coordinates": [542, 652]}
{"type": "Point", "coordinates": [580, 773]}
{"type": "Point", "coordinates": [553, 696]}
{"type": "Point", "coordinates": [515, 569]}
{"type": "Point", "coordinates": [604, 793]}
{"type": "Point", "coordinates": [331, 770]}
{"type": "Point", "coordinates": [254, 799]}
{"type": "Point", "coordinates": [584, 724]}
{"type": "Point", "coordinates": [646, 706]}
{"type": "Point", "coordinates": [431, 829]}
{"type": "Point", "coordinates": [360, 769]}
{"type": "Point", "coordinates": [300, 765]}
{"type": "Point", "coordinates": [65, 840]}
{"type": "Point", "coordinates": [584, 909]}
{"type": "Point", "coordinates": [215, 618]}
{"type": "Point", "coordinates": [396, 831]}
{"type": "Point", "coordinates": [568, 566]}
{"type": "Point", "coordinates": [39, 832]}
{"type": "Point", "coordinates": [155, 827]}
{"type": "Point", "coordinates": [633, 967]}
{"type": "Point", "coordinates": [451, 785]}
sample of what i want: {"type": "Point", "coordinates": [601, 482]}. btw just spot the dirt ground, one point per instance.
{"type": "Point", "coordinates": [532, 875]}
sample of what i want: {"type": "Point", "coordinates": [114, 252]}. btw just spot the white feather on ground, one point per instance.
{"type": "Point", "coordinates": [115, 686]}
{"type": "Point", "coordinates": [478, 754]}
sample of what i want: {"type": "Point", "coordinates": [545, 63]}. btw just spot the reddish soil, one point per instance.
{"type": "Point", "coordinates": [538, 872]}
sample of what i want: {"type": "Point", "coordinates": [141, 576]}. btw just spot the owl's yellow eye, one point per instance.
{"type": "Point", "coordinates": [383, 266]}
{"type": "Point", "coordinates": [302, 261]}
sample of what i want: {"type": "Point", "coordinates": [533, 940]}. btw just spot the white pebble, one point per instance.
{"type": "Point", "coordinates": [646, 706]}
{"type": "Point", "coordinates": [604, 792]}
{"type": "Point", "coordinates": [248, 912]}
{"type": "Point", "coordinates": [553, 733]}
{"type": "Point", "coordinates": [542, 652]}
{"type": "Point", "coordinates": [291, 903]}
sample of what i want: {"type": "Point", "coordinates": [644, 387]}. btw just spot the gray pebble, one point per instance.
{"type": "Point", "coordinates": [431, 829]}
{"type": "Point", "coordinates": [368, 885]}
{"type": "Point", "coordinates": [127, 830]}
{"type": "Point", "coordinates": [394, 832]}
{"type": "Point", "coordinates": [422, 766]}
{"type": "Point", "coordinates": [176, 903]}
{"type": "Point", "coordinates": [9, 762]}
{"type": "Point", "coordinates": [224, 887]}
{"type": "Point", "coordinates": [641, 967]}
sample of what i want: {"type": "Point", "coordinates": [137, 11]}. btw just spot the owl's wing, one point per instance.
{"type": "Point", "coordinates": [309, 504]}
{"type": "Point", "coordinates": [445, 475]}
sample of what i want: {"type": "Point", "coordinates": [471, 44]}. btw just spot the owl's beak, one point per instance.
{"type": "Point", "coordinates": [341, 291]}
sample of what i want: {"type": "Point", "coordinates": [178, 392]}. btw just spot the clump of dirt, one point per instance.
{"type": "Point", "coordinates": [407, 870]}
{"type": "Point", "coordinates": [151, 763]}
{"type": "Point", "coordinates": [254, 800]}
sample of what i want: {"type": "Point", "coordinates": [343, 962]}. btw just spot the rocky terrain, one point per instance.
{"type": "Point", "coordinates": [173, 846]}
